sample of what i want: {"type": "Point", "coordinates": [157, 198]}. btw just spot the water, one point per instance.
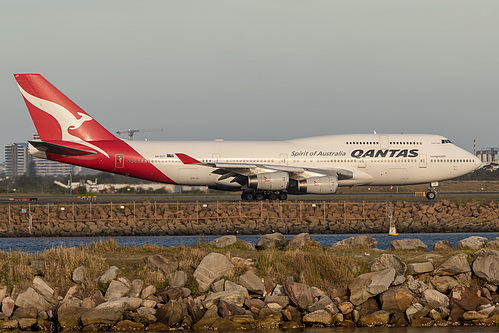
{"type": "Point", "coordinates": [39, 244]}
{"type": "Point", "coordinates": [450, 329]}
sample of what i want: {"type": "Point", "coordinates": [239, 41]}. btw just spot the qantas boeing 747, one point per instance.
{"type": "Point", "coordinates": [261, 170]}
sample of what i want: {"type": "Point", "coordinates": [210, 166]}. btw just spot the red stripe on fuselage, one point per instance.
{"type": "Point", "coordinates": [143, 169]}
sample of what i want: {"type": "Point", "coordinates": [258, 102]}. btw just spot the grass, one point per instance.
{"type": "Point", "coordinates": [330, 269]}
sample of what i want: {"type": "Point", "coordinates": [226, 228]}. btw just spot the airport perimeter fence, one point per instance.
{"type": "Point", "coordinates": [195, 211]}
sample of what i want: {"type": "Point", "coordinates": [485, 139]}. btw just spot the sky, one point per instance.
{"type": "Point", "coordinates": [260, 70]}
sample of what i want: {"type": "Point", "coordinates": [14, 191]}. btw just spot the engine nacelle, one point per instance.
{"type": "Point", "coordinates": [318, 185]}
{"type": "Point", "coordinates": [269, 181]}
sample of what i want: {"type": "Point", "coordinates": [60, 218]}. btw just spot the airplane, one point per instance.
{"type": "Point", "coordinates": [260, 169]}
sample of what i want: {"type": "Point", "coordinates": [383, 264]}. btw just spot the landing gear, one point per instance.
{"type": "Point", "coordinates": [262, 195]}
{"type": "Point", "coordinates": [431, 194]}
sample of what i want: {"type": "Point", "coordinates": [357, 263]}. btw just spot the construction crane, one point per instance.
{"type": "Point", "coordinates": [131, 132]}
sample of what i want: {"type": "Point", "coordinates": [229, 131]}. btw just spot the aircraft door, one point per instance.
{"type": "Point", "coordinates": [422, 161]}
{"type": "Point", "coordinates": [283, 159]}
{"type": "Point", "coordinates": [215, 157]}
{"type": "Point", "coordinates": [119, 160]}
{"type": "Point", "coordinates": [362, 162]}
{"type": "Point", "coordinates": [383, 142]}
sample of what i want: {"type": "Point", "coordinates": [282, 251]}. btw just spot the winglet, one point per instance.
{"type": "Point", "coordinates": [186, 159]}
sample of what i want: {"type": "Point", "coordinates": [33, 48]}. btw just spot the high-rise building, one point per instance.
{"type": "Point", "coordinates": [17, 159]}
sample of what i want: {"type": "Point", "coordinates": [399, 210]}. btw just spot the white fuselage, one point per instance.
{"type": "Point", "coordinates": [377, 159]}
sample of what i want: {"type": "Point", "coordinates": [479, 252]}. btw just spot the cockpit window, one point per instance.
{"type": "Point", "coordinates": [446, 141]}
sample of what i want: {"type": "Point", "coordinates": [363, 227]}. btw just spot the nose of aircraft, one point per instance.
{"type": "Point", "coordinates": [476, 162]}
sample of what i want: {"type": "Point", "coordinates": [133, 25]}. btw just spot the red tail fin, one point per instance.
{"type": "Point", "coordinates": [55, 116]}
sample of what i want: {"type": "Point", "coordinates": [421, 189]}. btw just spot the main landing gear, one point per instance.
{"type": "Point", "coordinates": [262, 195]}
{"type": "Point", "coordinates": [431, 193]}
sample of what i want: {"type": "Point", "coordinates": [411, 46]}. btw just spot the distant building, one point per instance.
{"type": "Point", "coordinates": [17, 159]}
{"type": "Point", "coordinates": [487, 155]}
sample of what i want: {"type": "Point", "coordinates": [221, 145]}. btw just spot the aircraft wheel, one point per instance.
{"type": "Point", "coordinates": [431, 195]}
{"type": "Point", "coordinates": [272, 196]}
{"type": "Point", "coordinates": [248, 196]}
{"type": "Point", "coordinates": [283, 196]}
{"type": "Point", "coordinates": [259, 196]}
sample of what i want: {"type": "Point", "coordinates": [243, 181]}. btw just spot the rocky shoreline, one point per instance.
{"type": "Point", "coordinates": [214, 218]}
{"type": "Point", "coordinates": [214, 289]}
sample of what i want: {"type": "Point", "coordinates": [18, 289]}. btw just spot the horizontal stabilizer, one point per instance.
{"type": "Point", "coordinates": [60, 149]}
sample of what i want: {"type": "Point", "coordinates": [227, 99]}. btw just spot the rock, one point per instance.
{"type": "Point", "coordinates": [212, 267]}
{"type": "Point", "coordinates": [218, 286]}
{"type": "Point", "coordinates": [228, 309]}
{"type": "Point", "coordinates": [318, 317]}
{"type": "Point", "coordinates": [468, 299]}
{"type": "Point", "coordinates": [26, 313]}
{"type": "Point", "coordinates": [299, 293]}
{"type": "Point", "coordinates": [283, 301]}
{"type": "Point", "coordinates": [237, 296]}
{"type": "Point", "coordinates": [195, 308]}
{"type": "Point", "coordinates": [8, 305]}
{"type": "Point", "coordinates": [386, 261]}
{"type": "Point", "coordinates": [108, 275]}
{"type": "Point", "coordinates": [486, 265]}
{"type": "Point", "coordinates": [298, 241]}
{"type": "Point", "coordinates": [416, 286]}
{"type": "Point", "coordinates": [10, 324]}
{"type": "Point", "coordinates": [412, 310]}
{"type": "Point", "coordinates": [165, 263]}
{"type": "Point", "coordinates": [357, 241]}
{"type": "Point", "coordinates": [408, 244]}
{"type": "Point", "coordinates": [370, 284]}
{"type": "Point", "coordinates": [455, 265]}
{"type": "Point", "coordinates": [270, 241]}
{"type": "Point", "coordinates": [252, 282]}
{"type": "Point", "coordinates": [75, 291]}
{"type": "Point", "coordinates": [30, 298]}
{"type": "Point", "coordinates": [398, 298]}
{"type": "Point", "coordinates": [255, 305]}
{"type": "Point", "coordinates": [472, 243]}
{"type": "Point", "coordinates": [377, 318]}
{"type": "Point", "coordinates": [224, 241]}
{"type": "Point", "coordinates": [444, 284]}
{"type": "Point", "coordinates": [117, 289]}
{"type": "Point", "coordinates": [494, 243]}
{"type": "Point", "coordinates": [345, 307]}
{"type": "Point", "coordinates": [323, 303]}
{"type": "Point", "coordinates": [172, 313]}
{"type": "Point", "coordinates": [26, 324]}
{"type": "Point", "coordinates": [104, 313]}
{"type": "Point", "coordinates": [43, 289]}
{"type": "Point", "coordinates": [442, 245]}
{"type": "Point", "coordinates": [434, 299]}
{"type": "Point", "coordinates": [69, 314]}
{"type": "Point", "coordinates": [136, 289]}
{"type": "Point", "coordinates": [128, 326]}
{"type": "Point", "coordinates": [419, 268]}
{"type": "Point", "coordinates": [177, 279]}
{"type": "Point", "coordinates": [208, 319]}
{"type": "Point", "coordinates": [147, 291]}
{"type": "Point", "coordinates": [473, 315]}
{"type": "Point", "coordinates": [246, 245]}
{"type": "Point", "coordinates": [79, 275]}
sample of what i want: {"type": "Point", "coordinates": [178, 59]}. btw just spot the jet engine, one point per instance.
{"type": "Point", "coordinates": [318, 185]}
{"type": "Point", "coordinates": [269, 181]}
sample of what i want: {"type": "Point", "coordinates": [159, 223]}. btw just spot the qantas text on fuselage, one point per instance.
{"type": "Point", "coordinates": [261, 169]}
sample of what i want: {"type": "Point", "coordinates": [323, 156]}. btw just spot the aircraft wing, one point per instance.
{"type": "Point", "coordinates": [248, 169]}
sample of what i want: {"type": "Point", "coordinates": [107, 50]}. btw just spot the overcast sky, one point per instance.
{"type": "Point", "coordinates": [260, 70]}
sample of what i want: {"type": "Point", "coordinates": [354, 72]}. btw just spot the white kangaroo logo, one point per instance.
{"type": "Point", "coordinates": [67, 121]}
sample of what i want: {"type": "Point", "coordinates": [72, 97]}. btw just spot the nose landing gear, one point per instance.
{"type": "Point", "coordinates": [431, 193]}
